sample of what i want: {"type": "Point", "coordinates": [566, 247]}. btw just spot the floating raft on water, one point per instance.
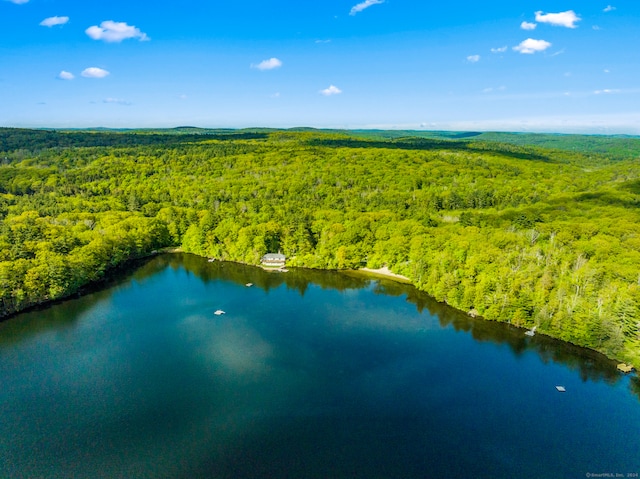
{"type": "Point", "coordinates": [561, 389]}
{"type": "Point", "coordinates": [218, 312]}
{"type": "Point", "coordinates": [248, 285]}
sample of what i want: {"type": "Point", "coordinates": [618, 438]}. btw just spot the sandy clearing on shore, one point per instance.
{"type": "Point", "coordinates": [384, 271]}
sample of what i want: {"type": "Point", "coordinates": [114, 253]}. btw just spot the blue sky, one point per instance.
{"type": "Point", "coordinates": [544, 65]}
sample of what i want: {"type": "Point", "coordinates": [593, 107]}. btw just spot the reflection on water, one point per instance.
{"type": "Point", "coordinates": [309, 374]}
{"type": "Point", "coordinates": [591, 365]}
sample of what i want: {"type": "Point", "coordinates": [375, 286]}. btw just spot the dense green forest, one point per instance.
{"type": "Point", "coordinates": [509, 230]}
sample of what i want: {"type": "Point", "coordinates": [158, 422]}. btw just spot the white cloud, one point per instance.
{"type": "Point", "coordinates": [473, 58]}
{"type": "Point", "coordinates": [609, 8]}
{"type": "Point", "coordinates": [19, 2]}
{"type": "Point", "coordinates": [528, 26]}
{"type": "Point", "coordinates": [64, 75]}
{"type": "Point", "coordinates": [332, 90]}
{"type": "Point", "coordinates": [111, 31]}
{"type": "Point", "coordinates": [276, 95]}
{"type": "Point", "coordinates": [52, 21]}
{"type": "Point", "coordinates": [499, 50]}
{"type": "Point", "coordinates": [605, 91]}
{"type": "Point", "coordinates": [269, 64]}
{"type": "Point", "coordinates": [531, 46]}
{"type": "Point", "coordinates": [563, 19]}
{"type": "Point", "coordinates": [606, 70]}
{"type": "Point", "coordinates": [366, 4]}
{"type": "Point", "coordinates": [323, 41]}
{"type": "Point", "coordinates": [596, 27]}
{"type": "Point", "coordinates": [117, 101]}
{"type": "Point", "coordinates": [183, 96]}
{"type": "Point", "coordinates": [94, 72]}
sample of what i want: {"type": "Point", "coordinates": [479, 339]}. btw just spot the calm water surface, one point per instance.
{"type": "Point", "coordinates": [308, 375]}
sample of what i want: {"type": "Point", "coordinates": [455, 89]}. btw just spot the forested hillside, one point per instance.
{"type": "Point", "coordinates": [514, 233]}
{"type": "Point", "coordinates": [615, 147]}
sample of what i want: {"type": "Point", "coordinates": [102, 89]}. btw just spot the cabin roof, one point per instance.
{"type": "Point", "coordinates": [274, 257]}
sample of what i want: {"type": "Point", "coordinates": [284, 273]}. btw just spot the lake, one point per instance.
{"type": "Point", "coordinates": [309, 374]}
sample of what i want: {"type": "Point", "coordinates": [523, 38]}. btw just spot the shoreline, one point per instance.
{"type": "Point", "coordinates": [383, 272]}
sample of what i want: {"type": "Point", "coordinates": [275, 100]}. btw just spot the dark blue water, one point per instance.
{"type": "Point", "coordinates": [308, 375]}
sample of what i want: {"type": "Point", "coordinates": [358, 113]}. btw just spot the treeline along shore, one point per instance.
{"type": "Point", "coordinates": [511, 232]}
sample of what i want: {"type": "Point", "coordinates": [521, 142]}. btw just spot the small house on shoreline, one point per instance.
{"type": "Point", "coordinates": [273, 260]}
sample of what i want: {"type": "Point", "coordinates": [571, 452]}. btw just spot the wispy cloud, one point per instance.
{"type": "Point", "coordinates": [601, 123]}
{"type": "Point", "coordinates": [473, 58]}
{"type": "Point", "coordinates": [605, 91]}
{"type": "Point", "coordinates": [65, 75]}
{"type": "Point", "coordinates": [117, 101]}
{"type": "Point", "coordinates": [19, 2]}
{"type": "Point", "coordinates": [562, 19]}
{"type": "Point", "coordinates": [269, 64]}
{"type": "Point", "coordinates": [499, 50]}
{"type": "Point", "coordinates": [554, 123]}
{"type": "Point", "coordinates": [323, 41]}
{"type": "Point", "coordinates": [114, 32]}
{"type": "Point", "coordinates": [491, 89]}
{"type": "Point", "coordinates": [609, 8]}
{"type": "Point", "coordinates": [53, 21]}
{"type": "Point", "coordinates": [528, 26]}
{"type": "Point", "coordinates": [530, 46]}
{"type": "Point", "coordinates": [366, 4]}
{"type": "Point", "coordinates": [332, 90]}
{"type": "Point", "coordinates": [94, 72]}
